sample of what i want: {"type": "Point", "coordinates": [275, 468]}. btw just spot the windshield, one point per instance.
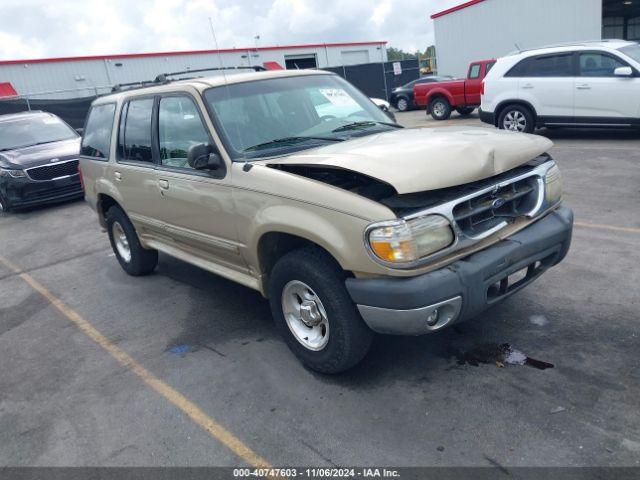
{"type": "Point", "coordinates": [281, 115]}
{"type": "Point", "coordinates": [632, 51]}
{"type": "Point", "coordinates": [33, 130]}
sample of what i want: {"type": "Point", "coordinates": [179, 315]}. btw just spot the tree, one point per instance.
{"type": "Point", "coordinates": [395, 54]}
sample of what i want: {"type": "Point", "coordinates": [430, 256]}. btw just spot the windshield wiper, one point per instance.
{"type": "Point", "coordinates": [289, 140]}
{"type": "Point", "coordinates": [365, 123]}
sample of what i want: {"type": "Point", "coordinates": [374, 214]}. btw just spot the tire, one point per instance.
{"type": "Point", "coordinates": [4, 206]}
{"type": "Point", "coordinates": [341, 339]}
{"type": "Point", "coordinates": [516, 118]}
{"type": "Point", "coordinates": [440, 108]}
{"type": "Point", "coordinates": [139, 261]}
{"type": "Point", "coordinates": [465, 111]}
{"type": "Point", "coordinates": [402, 104]}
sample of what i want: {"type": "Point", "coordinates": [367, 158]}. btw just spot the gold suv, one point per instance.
{"type": "Point", "coordinates": [295, 184]}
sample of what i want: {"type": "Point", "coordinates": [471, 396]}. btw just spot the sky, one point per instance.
{"type": "Point", "coordinates": [43, 28]}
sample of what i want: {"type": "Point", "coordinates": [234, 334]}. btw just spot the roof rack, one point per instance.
{"type": "Point", "coordinates": [581, 43]}
{"type": "Point", "coordinates": [164, 78]}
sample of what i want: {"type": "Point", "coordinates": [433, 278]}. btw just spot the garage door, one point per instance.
{"type": "Point", "coordinates": [355, 57]}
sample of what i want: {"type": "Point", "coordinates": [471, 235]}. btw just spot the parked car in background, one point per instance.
{"type": "Point", "coordinates": [38, 160]}
{"type": "Point", "coordinates": [385, 107]}
{"type": "Point", "coordinates": [347, 223]}
{"type": "Point", "coordinates": [574, 85]}
{"type": "Point", "coordinates": [402, 97]}
{"type": "Point", "coordinates": [463, 96]}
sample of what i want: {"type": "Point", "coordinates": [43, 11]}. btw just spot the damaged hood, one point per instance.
{"type": "Point", "coordinates": [416, 160]}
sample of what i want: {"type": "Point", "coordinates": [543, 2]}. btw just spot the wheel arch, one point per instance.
{"type": "Point", "coordinates": [437, 93]}
{"type": "Point", "coordinates": [105, 202]}
{"type": "Point", "coordinates": [523, 103]}
{"type": "Point", "coordinates": [274, 244]}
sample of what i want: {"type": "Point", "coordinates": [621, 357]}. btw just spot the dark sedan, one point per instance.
{"type": "Point", "coordinates": [38, 160]}
{"type": "Point", "coordinates": [402, 97]}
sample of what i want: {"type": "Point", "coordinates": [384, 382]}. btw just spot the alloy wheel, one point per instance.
{"type": "Point", "coordinates": [305, 315]}
{"type": "Point", "coordinates": [515, 121]}
{"type": "Point", "coordinates": [121, 242]}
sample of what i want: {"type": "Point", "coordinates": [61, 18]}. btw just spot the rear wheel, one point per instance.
{"type": "Point", "coordinates": [402, 104]}
{"type": "Point", "coordinates": [440, 108]}
{"type": "Point", "coordinates": [133, 258]}
{"type": "Point", "coordinates": [464, 111]}
{"type": "Point", "coordinates": [314, 313]}
{"type": "Point", "coordinates": [516, 118]}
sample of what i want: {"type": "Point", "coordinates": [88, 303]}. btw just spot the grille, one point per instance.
{"type": "Point", "coordinates": [54, 170]}
{"type": "Point", "coordinates": [486, 211]}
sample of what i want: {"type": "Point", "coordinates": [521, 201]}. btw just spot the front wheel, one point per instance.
{"type": "Point", "coordinates": [4, 206]}
{"type": "Point", "coordinates": [516, 118]}
{"type": "Point", "coordinates": [314, 313]}
{"type": "Point", "coordinates": [440, 109]}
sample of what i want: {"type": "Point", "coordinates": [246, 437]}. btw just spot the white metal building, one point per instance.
{"type": "Point", "coordinates": [484, 29]}
{"type": "Point", "coordinates": [74, 77]}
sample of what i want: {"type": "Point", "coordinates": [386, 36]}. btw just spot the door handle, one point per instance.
{"type": "Point", "coordinates": [164, 184]}
{"type": "Point", "coordinates": [528, 86]}
{"type": "Point", "coordinates": [117, 176]}
{"type": "Point", "coordinates": [583, 87]}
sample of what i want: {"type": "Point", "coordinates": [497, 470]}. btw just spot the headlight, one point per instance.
{"type": "Point", "coordinates": [12, 173]}
{"type": "Point", "coordinates": [553, 185]}
{"type": "Point", "coordinates": [400, 241]}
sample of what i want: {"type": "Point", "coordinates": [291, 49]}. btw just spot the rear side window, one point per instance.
{"type": "Point", "coordinates": [544, 66]}
{"type": "Point", "coordinates": [96, 139]}
{"type": "Point", "coordinates": [474, 71]}
{"type": "Point", "coordinates": [489, 67]}
{"type": "Point", "coordinates": [134, 139]}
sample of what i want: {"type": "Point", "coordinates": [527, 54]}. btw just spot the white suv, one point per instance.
{"type": "Point", "coordinates": [586, 84]}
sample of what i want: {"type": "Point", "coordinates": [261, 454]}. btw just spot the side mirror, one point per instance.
{"type": "Point", "coordinates": [623, 72]}
{"type": "Point", "coordinates": [203, 157]}
{"type": "Point", "coordinates": [80, 131]}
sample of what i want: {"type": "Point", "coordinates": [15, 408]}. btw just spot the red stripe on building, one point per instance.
{"type": "Point", "coordinates": [7, 90]}
{"type": "Point", "coordinates": [188, 52]}
{"type": "Point", "coordinates": [456, 8]}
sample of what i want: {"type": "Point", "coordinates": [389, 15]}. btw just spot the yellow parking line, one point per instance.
{"type": "Point", "coordinates": [607, 227]}
{"type": "Point", "coordinates": [194, 412]}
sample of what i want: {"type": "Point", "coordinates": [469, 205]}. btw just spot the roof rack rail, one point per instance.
{"type": "Point", "coordinates": [164, 77]}
{"type": "Point", "coordinates": [581, 43]}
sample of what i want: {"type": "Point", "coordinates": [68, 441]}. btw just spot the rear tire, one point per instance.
{"type": "Point", "coordinates": [465, 111]}
{"type": "Point", "coordinates": [516, 118]}
{"type": "Point", "coordinates": [133, 258]}
{"type": "Point", "coordinates": [336, 338]}
{"type": "Point", "coordinates": [440, 109]}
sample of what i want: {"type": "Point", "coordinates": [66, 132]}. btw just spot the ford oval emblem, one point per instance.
{"type": "Point", "coordinates": [497, 203]}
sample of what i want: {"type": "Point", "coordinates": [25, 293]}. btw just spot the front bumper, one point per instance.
{"type": "Point", "coordinates": [463, 289]}
{"type": "Point", "coordinates": [24, 192]}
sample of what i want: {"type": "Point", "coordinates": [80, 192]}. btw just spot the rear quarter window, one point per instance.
{"type": "Point", "coordinates": [560, 65]}
{"type": "Point", "coordinates": [96, 139]}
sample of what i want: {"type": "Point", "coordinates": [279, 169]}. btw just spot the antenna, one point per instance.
{"type": "Point", "coordinates": [246, 167]}
{"type": "Point", "coordinates": [518, 47]}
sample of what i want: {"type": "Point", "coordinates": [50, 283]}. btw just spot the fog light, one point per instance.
{"type": "Point", "coordinates": [432, 318]}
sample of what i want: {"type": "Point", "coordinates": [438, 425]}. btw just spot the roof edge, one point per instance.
{"type": "Point", "coordinates": [456, 8]}
{"type": "Point", "coordinates": [186, 52]}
